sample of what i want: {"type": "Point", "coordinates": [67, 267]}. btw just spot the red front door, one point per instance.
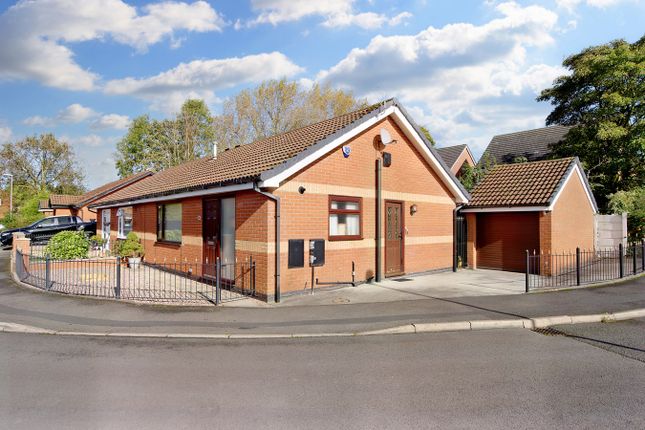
{"type": "Point", "coordinates": [393, 238]}
{"type": "Point", "coordinates": [211, 232]}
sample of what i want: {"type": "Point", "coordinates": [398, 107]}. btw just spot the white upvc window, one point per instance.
{"type": "Point", "coordinates": [124, 219]}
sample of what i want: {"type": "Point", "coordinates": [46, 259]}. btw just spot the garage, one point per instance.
{"type": "Point", "coordinates": [542, 206]}
{"type": "Point", "coordinates": [504, 238]}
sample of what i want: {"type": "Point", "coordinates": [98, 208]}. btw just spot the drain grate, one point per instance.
{"type": "Point", "coordinates": [401, 279]}
{"type": "Point", "coordinates": [549, 331]}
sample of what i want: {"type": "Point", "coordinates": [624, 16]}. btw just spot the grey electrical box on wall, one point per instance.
{"type": "Point", "coordinates": [317, 252]}
{"type": "Point", "coordinates": [296, 253]}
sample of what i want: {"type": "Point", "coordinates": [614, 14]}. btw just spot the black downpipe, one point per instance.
{"type": "Point", "coordinates": [378, 220]}
{"type": "Point", "coordinates": [454, 237]}
{"type": "Point", "coordinates": [276, 199]}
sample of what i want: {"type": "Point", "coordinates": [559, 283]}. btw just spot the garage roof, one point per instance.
{"type": "Point", "coordinates": [533, 184]}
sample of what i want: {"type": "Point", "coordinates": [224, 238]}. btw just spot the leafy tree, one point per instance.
{"type": "Point", "coordinates": [158, 144]}
{"type": "Point", "coordinates": [42, 164]}
{"type": "Point", "coordinates": [276, 107]}
{"type": "Point", "coordinates": [603, 99]}
{"type": "Point", "coordinates": [471, 176]}
{"type": "Point", "coordinates": [632, 202]}
{"type": "Point", "coordinates": [427, 134]}
{"type": "Point", "coordinates": [26, 204]}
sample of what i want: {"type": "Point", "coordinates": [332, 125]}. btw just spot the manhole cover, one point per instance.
{"type": "Point", "coordinates": [402, 279]}
{"type": "Point", "coordinates": [340, 301]}
{"type": "Point", "coordinates": [548, 331]}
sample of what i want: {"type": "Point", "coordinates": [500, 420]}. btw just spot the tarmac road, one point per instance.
{"type": "Point", "coordinates": [479, 380]}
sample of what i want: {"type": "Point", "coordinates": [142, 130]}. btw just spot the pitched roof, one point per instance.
{"type": "Point", "coordinates": [449, 154]}
{"type": "Point", "coordinates": [532, 144]}
{"type": "Point", "coordinates": [44, 206]}
{"type": "Point", "coordinates": [65, 200]}
{"type": "Point", "coordinates": [525, 184]}
{"type": "Point", "coordinates": [252, 162]}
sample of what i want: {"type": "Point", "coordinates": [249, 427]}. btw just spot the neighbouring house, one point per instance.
{"type": "Point", "coordinates": [527, 145]}
{"type": "Point", "coordinates": [543, 206]}
{"type": "Point", "coordinates": [457, 157]}
{"type": "Point", "coordinates": [65, 204]}
{"type": "Point", "coordinates": [367, 186]}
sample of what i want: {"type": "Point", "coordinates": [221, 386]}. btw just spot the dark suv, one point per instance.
{"type": "Point", "coordinates": [43, 230]}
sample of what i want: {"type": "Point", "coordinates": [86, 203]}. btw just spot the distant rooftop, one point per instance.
{"type": "Point", "coordinates": [449, 154]}
{"type": "Point", "coordinates": [532, 144]}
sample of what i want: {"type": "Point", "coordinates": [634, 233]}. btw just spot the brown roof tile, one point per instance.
{"type": "Point", "coordinates": [63, 200]}
{"type": "Point", "coordinates": [238, 165]}
{"type": "Point", "coordinates": [522, 184]}
{"type": "Point", "coordinates": [110, 187]}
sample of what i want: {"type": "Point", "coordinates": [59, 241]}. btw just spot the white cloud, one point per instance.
{"type": "Point", "coordinates": [201, 78]}
{"type": "Point", "coordinates": [119, 122]}
{"type": "Point", "coordinates": [337, 13]}
{"type": "Point", "coordinates": [571, 5]}
{"type": "Point", "coordinates": [5, 134]}
{"type": "Point", "coordinates": [34, 34]}
{"type": "Point", "coordinates": [72, 114]}
{"type": "Point", "coordinates": [91, 140]}
{"type": "Point", "coordinates": [465, 81]}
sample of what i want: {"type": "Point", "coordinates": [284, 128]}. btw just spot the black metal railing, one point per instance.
{"type": "Point", "coordinates": [114, 277]}
{"type": "Point", "coordinates": [570, 269]}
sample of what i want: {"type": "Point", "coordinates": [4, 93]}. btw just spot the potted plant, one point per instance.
{"type": "Point", "coordinates": [97, 242]}
{"type": "Point", "coordinates": [131, 249]}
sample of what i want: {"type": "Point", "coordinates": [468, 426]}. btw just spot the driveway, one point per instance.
{"type": "Point", "coordinates": [463, 283]}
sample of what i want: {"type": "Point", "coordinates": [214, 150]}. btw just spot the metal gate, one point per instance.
{"type": "Point", "coordinates": [461, 239]}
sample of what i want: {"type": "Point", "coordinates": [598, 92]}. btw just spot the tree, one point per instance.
{"type": "Point", "coordinates": [602, 98]}
{"type": "Point", "coordinates": [427, 134]}
{"type": "Point", "coordinates": [159, 144]}
{"type": "Point", "coordinates": [41, 164]}
{"type": "Point", "coordinates": [471, 176]}
{"type": "Point", "coordinates": [632, 202]}
{"type": "Point", "coordinates": [276, 107]}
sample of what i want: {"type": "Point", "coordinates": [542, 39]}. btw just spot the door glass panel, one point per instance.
{"type": "Point", "coordinates": [228, 237]}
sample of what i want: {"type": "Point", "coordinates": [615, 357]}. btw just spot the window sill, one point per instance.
{"type": "Point", "coordinates": [168, 243]}
{"type": "Point", "coordinates": [344, 238]}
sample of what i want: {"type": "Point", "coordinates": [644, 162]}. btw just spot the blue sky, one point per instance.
{"type": "Point", "coordinates": [465, 69]}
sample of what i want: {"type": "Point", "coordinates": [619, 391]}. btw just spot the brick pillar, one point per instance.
{"type": "Point", "coordinates": [546, 244]}
{"type": "Point", "coordinates": [20, 243]}
{"type": "Point", "coordinates": [471, 246]}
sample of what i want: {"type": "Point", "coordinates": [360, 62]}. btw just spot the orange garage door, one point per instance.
{"type": "Point", "coordinates": [503, 238]}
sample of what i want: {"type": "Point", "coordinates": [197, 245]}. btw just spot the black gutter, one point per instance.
{"type": "Point", "coordinates": [378, 220]}
{"type": "Point", "coordinates": [276, 199]}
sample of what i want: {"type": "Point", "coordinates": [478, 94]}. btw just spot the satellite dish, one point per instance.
{"type": "Point", "coordinates": [386, 139]}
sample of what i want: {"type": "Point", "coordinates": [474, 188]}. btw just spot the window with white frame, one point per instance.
{"type": "Point", "coordinates": [124, 219]}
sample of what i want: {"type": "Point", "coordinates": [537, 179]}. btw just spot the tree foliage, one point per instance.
{"type": "Point", "coordinates": [603, 98]}
{"type": "Point", "coordinates": [632, 202]}
{"type": "Point", "coordinates": [471, 176]}
{"type": "Point", "coordinates": [152, 144]}
{"type": "Point", "coordinates": [68, 245]}
{"type": "Point", "coordinates": [428, 136]}
{"type": "Point", "coordinates": [41, 164]}
{"type": "Point", "coordinates": [275, 107]}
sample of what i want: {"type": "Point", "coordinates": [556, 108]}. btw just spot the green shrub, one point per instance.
{"type": "Point", "coordinates": [97, 241]}
{"type": "Point", "coordinates": [632, 202]}
{"type": "Point", "coordinates": [68, 245]}
{"type": "Point", "coordinates": [130, 247]}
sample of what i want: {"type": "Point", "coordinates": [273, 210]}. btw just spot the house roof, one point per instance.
{"type": "Point", "coordinates": [66, 200]}
{"type": "Point", "coordinates": [256, 161]}
{"type": "Point", "coordinates": [43, 205]}
{"type": "Point", "coordinates": [450, 154]}
{"type": "Point", "coordinates": [531, 184]}
{"type": "Point", "coordinates": [62, 200]}
{"type": "Point", "coordinates": [532, 144]}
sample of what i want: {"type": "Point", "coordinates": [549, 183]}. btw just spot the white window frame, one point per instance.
{"type": "Point", "coordinates": [120, 216]}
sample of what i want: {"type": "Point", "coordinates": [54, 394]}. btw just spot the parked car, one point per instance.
{"type": "Point", "coordinates": [43, 230]}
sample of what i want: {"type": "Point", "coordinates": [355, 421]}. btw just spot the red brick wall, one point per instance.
{"type": "Point", "coordinates": [573, 219]}
{"type": "Point", "coordinates": [428, 240]}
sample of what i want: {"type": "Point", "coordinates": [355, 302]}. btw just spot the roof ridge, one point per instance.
{"type": "Point", "coordinates": [533, 129]}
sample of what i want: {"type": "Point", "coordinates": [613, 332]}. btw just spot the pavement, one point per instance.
{"type": "Point", "coordinates": [332, 315]}
{"type": "Point", "coordinates": [471, 380]}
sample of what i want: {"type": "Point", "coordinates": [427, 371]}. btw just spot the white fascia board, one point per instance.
{"type": "Point", "coordinates": [412, 134]}
{"type": "Point", "coordinates": [275, 181]}
{"type": "Point", "coordinates": [507, 209]}
{"type": "Point", "coordinates": [576, 170]}
{"type": "Point", "coordinates": [198, 193]}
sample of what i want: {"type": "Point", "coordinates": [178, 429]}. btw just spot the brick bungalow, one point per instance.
{"type": "Point", "coordinates": [542, 206]}
{"type": "Point", "coordinates": [336, 180]}
{"type": "Point", "coordinates": [456, 157]}
{"type": "Point", "coordinates": [65, 204]}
